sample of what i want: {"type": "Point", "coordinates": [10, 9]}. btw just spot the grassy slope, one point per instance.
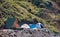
{"type": "Point", "coordinates": [20, 11]}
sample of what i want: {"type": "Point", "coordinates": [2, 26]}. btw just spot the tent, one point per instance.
{"type": "Point", "coordinates": [36, 26]}
{"type": "Point", "coordinates": [39, 25]}
{"type": "Point", "coordinates": [9, 23]}
{"type": "Point", "coordinates": [32, 26]}
{"type": "Point", "coordinates": [25, 26]}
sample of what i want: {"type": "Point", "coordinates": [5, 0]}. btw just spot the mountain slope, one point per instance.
{"type": "Point", "coordinates": [28, 10]}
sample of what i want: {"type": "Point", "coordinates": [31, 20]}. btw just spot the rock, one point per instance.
{"type": "Point", "coordinates": [43, 32]}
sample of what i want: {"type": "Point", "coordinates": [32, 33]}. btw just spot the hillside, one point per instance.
{"type": "Point", "coordinates": [32, 11]}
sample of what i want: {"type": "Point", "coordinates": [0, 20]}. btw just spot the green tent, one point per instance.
{"type": "Point", "coordinates": [9, 23]}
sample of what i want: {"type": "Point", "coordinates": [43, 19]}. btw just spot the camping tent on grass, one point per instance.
{"type": "Point", "coordinates": [36, 26]}
{"type": "Point", "coordinates": [11, 23]}
{"type": "Point", "coordinates": [25, 26]}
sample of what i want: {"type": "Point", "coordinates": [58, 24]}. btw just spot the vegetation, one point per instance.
{"type": "Point", "coordinates": [32, 11]}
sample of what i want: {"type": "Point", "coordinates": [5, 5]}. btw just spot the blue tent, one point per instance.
{"type": "Point", "coordinates": [32, 26]}
{"type": "Point", "coordinates": [39, 25]}
{"type": "Point", "coordinates": [35, 26]}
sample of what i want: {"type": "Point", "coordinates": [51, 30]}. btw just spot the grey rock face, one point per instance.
{"type": "Point", "coordinates": [28, 33]}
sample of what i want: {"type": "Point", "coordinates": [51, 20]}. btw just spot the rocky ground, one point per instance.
{"type": "Point", "coordinates": [27, 33]}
